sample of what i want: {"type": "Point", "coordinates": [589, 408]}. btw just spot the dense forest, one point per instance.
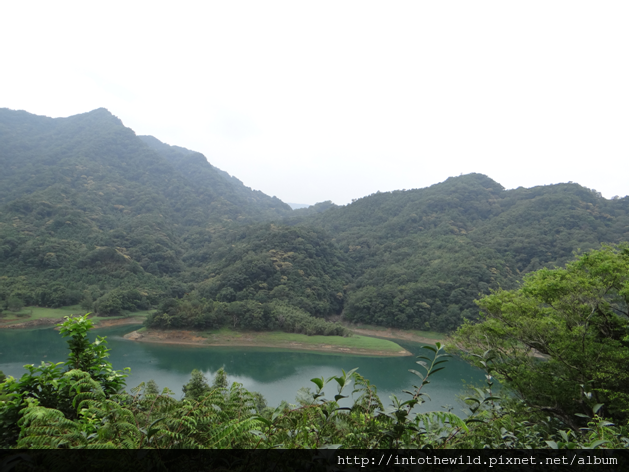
{"type": "Point", "coordinates": [421, 257]}
{"type": "Point", "coordinates": [576, 317]}
{"type": "Point", "coordinates": [90, 213]}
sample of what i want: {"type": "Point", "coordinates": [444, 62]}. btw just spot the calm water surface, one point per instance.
{"type": "Point", "coordinates": [277, 374]}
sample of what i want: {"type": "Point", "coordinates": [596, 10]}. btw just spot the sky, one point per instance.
{"type": "Point", "coordinates": [336, 100]}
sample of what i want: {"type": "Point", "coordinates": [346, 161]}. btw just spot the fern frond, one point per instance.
{"type": "Point", "coordinates": [233, 433]}
{"type": "Point", "coordinates": [47, 428]}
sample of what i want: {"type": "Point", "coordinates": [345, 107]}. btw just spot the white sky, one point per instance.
{"type": "Point", "coordinates": [334, 100]}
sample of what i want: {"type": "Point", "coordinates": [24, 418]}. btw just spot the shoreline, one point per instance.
{"type": "Point", "coordinates": [187, 338]}
{"type": "Point", "coordinates": [246, 339]}
{"type": "Point", "coordinates": [254, 339]}
{"type": "Point", "coordinates": [49, 322]}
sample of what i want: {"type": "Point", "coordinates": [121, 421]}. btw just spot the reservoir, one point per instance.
{"type": "Point", "coordinates": [277, 374]}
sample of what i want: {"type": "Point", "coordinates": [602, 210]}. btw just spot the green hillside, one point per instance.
{"type": "Point", "coordinates": [90, 213]}
{"type": "Point", "coordinates": [89, 210]}
{"type": "Point", "coordinates": [421, 257]}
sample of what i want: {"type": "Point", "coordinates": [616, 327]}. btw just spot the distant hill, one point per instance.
{"type": "Point", "coordinates": [86, 207]}
{"type": "Point", "coordinates": [217, 184]}
{"type": "Point", "coordinates": [420, 257]}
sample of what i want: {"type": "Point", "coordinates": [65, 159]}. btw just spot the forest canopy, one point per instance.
{"type": "Point", "coordinates": [575, 398]}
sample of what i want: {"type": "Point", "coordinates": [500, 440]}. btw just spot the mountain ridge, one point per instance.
{"type": "Point", "coordinates": [92, 213]}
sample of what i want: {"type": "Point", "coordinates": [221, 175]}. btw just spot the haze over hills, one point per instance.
{"type": "Point", "coordinates": [92, 213]}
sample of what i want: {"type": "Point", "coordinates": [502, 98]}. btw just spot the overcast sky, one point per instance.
{"type": "Point", "coordinates": [335, 100]}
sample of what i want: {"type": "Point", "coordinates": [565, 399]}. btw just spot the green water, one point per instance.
{"type": "Point", "coordinates": [277, 374]}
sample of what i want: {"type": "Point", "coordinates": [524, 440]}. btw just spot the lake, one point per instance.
{"type": "Point", "coordinates": [277, 374]}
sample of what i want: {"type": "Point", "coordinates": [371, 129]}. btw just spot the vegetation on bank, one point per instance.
{"type": "Point", "coordinates": [362, 345]}
{"type": "Point", "coordinates": [578, 318]}
{"type": "Point", "coordinates": [577, 398]}
{"type": "Point", "coordinates": [34, 313]}
{"type": "Point", "coordinates": [202, 314]}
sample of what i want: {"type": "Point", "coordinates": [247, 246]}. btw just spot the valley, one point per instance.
{"type": "Point", "coordinates": [237, 285]}
{"type": "Point", "coordinates": [94, 215]}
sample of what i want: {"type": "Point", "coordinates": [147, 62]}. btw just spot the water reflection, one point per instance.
{"type": "Point", "coordinates": [277, 374]}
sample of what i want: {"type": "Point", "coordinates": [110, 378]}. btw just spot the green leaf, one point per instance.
{"type": "Point", "coordinates": [474, 420]}
{"type": "Point", "coordinates": [418, 374]}
{"type": "Point", "coordinates": [350, 372]}
{"type": "Point", "coordinates": [598, 443]}
{"type": "Point", "coordinates": [491, 399]}
{"type": "Point", "coordinates": [318, 382]}
{"type": "Point", "coordinates": [436, 370]}
{"type": "Point", "coordinates": [262, 419]}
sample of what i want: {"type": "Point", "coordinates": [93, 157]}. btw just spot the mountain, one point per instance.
{"type": "Point", "coordinates": [217, 185]}
{"type": "Point", "coordinates": [420, 258]}
{"type": "Point", "coordinates": [86, 207]}
{"type": "Point", "coordinates": [92, 213]}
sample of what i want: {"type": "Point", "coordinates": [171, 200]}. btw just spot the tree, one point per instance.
{"type": "Point", "coordinates": [87, 303]}
{"type": "Point", "coordinates": [151, 388]}
{"type": "Point", "coordinates": [49, 386]}
{"type": "Point", "coordinates": [576, 320]}
{"type": "Point", "coordinates": [109, 304]}
{"type": "Point", "coordinates": [220, 379]}
{"type": "Point", "coordinates": [196, 387]}
{"type": "Point", "coordinates": [90, 357]}
{"type": "Point", "coordinates": [14, 303]}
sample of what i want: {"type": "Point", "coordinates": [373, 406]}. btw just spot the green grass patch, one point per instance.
{"type": "Point", "coordinates": [353, 342]}
{"type": "Point", "coordinates": [38, 313]}
{"type": "Point", "coordinates": [282, 339]}
{"type": "Point", "coordinates": [32, 313]}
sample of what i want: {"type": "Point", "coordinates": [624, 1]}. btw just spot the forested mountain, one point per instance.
{"type": "Point", "coordinates": [421, 257]}
{"type": "Point", "coordinates": [87, 208]}
{"type": "Point", "coordinates": [217, 187]}
{"type": "Point", "coordinates": [92, 213]}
